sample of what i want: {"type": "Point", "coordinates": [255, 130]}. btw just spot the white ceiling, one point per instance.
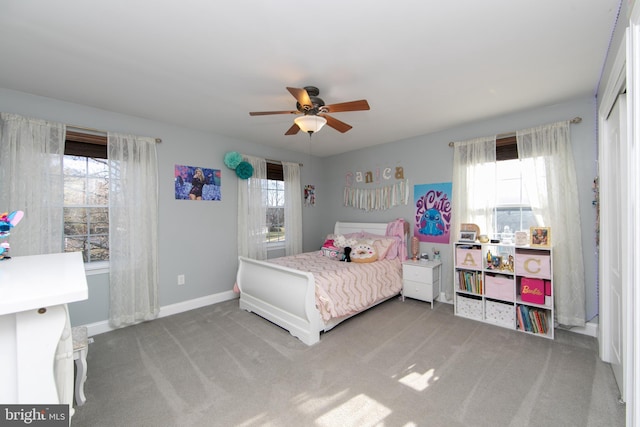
{"type": "Point", "coordinates": [423, 65]}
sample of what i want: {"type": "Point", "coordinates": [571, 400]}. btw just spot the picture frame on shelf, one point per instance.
{"type": "Point", "coordinates": [467, 236]}
{"type": "Point", "coordinates": [496, 262]}
{"type": "Point", "coordinates": [522, 239]}
{"type": "Point", "coordinates": [540, 236]}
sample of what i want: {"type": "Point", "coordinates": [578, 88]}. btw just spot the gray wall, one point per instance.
{"type": "Point", "coordinates": [198, 239]}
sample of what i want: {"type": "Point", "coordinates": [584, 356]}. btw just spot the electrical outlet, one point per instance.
{"type": "Point", "coordinates": [181, 279]}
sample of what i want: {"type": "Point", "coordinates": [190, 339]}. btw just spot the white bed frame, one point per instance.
{"type": "Point", "coordinates": [286, 296]}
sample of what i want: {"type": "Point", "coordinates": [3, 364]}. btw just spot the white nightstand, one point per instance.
{"type": "Point", "coordinates": [421, 280]}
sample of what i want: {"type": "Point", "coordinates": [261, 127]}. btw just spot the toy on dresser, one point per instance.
{"type": "Point", "coordinates": [7, 222]}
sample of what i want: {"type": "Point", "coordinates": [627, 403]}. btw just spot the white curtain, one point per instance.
{"type": "Point", "coordinates": [548, 172]}
{"type": "Point", "coordinates": [292, 208]}
{"type": "Point", "coordinates": [31, 180]}
{"type": "Point", "coordinates": [473, 187]}
{"type": "Point", "coordinates": [252, 212]}
{"type": "Point", "coordinates": [133, 229]}
{"type": "Point", "coordinates": [473, 184]}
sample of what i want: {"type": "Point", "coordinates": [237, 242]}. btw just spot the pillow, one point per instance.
{"type": "Point", "coordinates": [346, 236]}
{"type": "Point", "coordinates": [330, 251]}
{"type": "Point", "coordinates": [364, 251]}
{"type": "Point", "coordinates": [392, 252]}
{"type": "Point", "coordinates": [383, 246]}
{"type": "Point", "coordinates": [335, 254]}
{"type": "Point", "coordinates": [342, 241]}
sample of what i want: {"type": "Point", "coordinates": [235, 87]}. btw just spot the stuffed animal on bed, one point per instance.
{"type": "Point", "coordinates": [347, 254]}
{"type": "Point", "coordinates": [7, 222]}
{"type": "Point", "coordinates": [331, 251]}
{"type": "Point", "coordinates": [364, 251]}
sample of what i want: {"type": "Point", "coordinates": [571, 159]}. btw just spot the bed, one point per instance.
{"type": "Point", "coordinates": [284, 290]}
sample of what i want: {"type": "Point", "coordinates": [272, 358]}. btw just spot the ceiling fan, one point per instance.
{"type": "Point", "coordinates": [313, 113]}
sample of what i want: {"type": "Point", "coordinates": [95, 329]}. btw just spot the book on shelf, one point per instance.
{"type": "Point", "coordinates": [542, 320]}
{"type": "Point", "coordinates": [532, 319]}
{"type": "Point", "coordinates": [534, 324]}
{"type": "Point", "coordinates": [520, 323]}
{"type": "Point", "coordinates": [526, 320]}
{"type": "Point", "coordinates": [538, 315]}
{"type": "Point", "coordinates": [470, 281]}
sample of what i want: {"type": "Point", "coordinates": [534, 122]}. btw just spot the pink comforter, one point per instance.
{"type": "Point", "coordinates": [344, 288]}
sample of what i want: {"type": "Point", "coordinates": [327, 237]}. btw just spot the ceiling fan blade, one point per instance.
{"type": "Point", "coordinates": [301, 96]}
{"type": "Point", "coordinates": [266, 113]}
{"type": "Point", "coordinates": [336, 124]}
{"type": "Point", "coordinates": [293, 130]}
{"type": "Point", "coordinates": [348, 106]}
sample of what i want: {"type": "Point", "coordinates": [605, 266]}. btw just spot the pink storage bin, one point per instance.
{"type": "Point", "coordinates": [532, 290]}
{"type": "Point", "coordinates": [469, 258]}
{"type": "Point", "coordinates": [533, 264]}
{"type": "Point", "coordinates": [499, 287]}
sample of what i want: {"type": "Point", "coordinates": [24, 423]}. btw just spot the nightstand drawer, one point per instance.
{"type": "Point", "coordinates": [417, 290]}
{"type": "Point", "coordinates": [418, 273]}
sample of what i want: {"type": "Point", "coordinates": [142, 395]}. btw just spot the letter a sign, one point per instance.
{"type": "Point", "coordinates": [469, 261]}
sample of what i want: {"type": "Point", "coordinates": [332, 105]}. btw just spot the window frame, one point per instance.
{"type": "Point", "coordinates": [275, 172]}
{"type": "Point", "coordinates": [86, 144]}
{"type": "Point", "coordinates": [507, 149]}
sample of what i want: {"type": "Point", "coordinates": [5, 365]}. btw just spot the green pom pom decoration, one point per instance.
{"type": "Point", "coordinates": [244, 170]}
{"type": "Point", "coordinates": [232, 159]}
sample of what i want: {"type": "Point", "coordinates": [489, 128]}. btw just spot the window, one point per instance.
{"type": "Point", "coordinates": [86, 196]}
{"type": "Point", "coordinates": [513, 209]}
{"type": "Point", "coordinates": [274, 191]}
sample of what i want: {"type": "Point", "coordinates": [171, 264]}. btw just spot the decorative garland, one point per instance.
{"type": "Point", "coordinates": [378, 199]}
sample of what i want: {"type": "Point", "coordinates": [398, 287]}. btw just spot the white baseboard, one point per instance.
{"type": "Point", "coordinates": [169, 310]}
{"type": "Point", "coordinates": [589, 329]}
{"type": "Point", "coordinates": [443, 298]}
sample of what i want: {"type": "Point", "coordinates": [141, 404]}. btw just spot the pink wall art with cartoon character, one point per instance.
{"type": "Point", "coordinates": [432, 204]}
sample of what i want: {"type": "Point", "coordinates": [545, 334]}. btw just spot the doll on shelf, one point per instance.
{"type": "Point", "coordinates": [7, 222]}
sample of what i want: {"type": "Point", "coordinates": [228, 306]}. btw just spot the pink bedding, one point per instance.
{"type": "Point", "coordinates": [344, 288]}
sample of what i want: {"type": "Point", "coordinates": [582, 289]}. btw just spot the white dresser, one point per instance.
{"type": "Point", "coordinates": [421, 280]}
{"type": "Point", "coordinates": [36, 348]}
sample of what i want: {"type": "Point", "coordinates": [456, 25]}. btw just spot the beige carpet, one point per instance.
{"type": "Point", "coordinates": [399, 364]}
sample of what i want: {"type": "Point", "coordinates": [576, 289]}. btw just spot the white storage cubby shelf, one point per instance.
{"type": "Point", "coordinates": [505, 285]}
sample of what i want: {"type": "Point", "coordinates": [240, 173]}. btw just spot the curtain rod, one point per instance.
{"type": "Point", "coordinates": [574, 121]}
{"type": "Point", "coordinates": [278, 162]}
{"type": "Point", "coordinates": [101, 132]}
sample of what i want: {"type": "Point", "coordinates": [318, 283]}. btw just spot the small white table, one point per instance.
{"type": "Point", "coordinates": [421, 279]}
{"type": "Point", "coordinates": [36, 349]}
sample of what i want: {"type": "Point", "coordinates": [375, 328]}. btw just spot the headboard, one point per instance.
{"type": "Point", "coordinates": [355, 227]}
{"type": "Point", "coordinates": [376, 228]}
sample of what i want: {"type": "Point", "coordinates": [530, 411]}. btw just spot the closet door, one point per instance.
{"type": "Point", "coordinates": [614, 239]}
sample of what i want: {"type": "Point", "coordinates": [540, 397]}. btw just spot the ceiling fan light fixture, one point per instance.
{"type": "Point", "coordinates": [310, 123]}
